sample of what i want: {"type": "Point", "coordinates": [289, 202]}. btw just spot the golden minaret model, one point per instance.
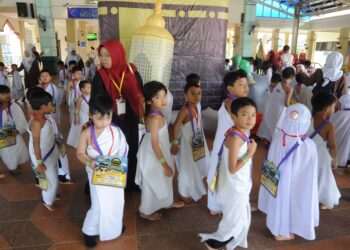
{"type": "Point", "coordinates": [152, 48]}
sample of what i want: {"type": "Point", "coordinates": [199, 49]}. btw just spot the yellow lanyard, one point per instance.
{"type": "Point", "coordinates": [119, 88]}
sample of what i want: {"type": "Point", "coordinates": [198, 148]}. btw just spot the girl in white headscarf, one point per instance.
{"type": "Point", "coordinates": [294, 210]}
{"type": "Point", "coordinates": [329, 79]}
{"type": "Point", "coordinates": [31, 68]}
{"type": "Point", "coordinates": [73, 56]}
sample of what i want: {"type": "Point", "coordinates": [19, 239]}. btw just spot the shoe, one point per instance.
{"type": "Point", "coordinates": [90, 241]}
{"type": "Point", "coordinates": [151, 217]}
{"type": "Point", "coordinates": [215, 244]}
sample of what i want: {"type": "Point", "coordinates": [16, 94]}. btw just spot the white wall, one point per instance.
{"type": "Point", "coordinates": [236, 7]}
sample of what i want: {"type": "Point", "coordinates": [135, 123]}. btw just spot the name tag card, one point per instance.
{"type": "Point", "coordinates": [198, 148]}
{"type": "Point", "coordinates": [111, 171]}
{"type": "Point", "coordinates": [121, 106]}
{"type": "Point", "coordinates": [7, 136]}
{"type": "Point", "coordinates": [270, 176]}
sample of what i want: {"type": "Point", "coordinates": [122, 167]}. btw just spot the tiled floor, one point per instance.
{"type": "Point", "coordinates": [25, 223]}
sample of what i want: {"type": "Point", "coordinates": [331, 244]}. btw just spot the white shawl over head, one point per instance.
{"type": "Point", "coordinates": [332, 68]}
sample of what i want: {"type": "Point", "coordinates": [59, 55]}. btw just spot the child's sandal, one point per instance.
{"type": "Point", "coordinates": [178, 204]}
{"type": "Point", "coordinates": [282, 238]}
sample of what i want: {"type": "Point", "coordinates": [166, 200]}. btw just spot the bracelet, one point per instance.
{"type": "Point", "coordinates": [162, 160]}
{"type": "Point", "coordinates": [245, 158]}
{"type": "Point", "coordinates": [38, 162]}
{"type": "Point", "coordinates": [175, 142]}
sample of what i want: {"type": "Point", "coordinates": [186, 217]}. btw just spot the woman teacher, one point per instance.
{"type": "Point", "coordinates": [123, 83]}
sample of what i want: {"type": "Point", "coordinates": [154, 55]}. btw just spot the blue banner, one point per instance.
{"type": "Point", "coordinates": [83, 13]}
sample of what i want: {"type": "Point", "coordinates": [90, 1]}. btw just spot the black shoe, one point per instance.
{"type": "Point", "coordinates": [215, 244]}
{"type": "Point", "coordinates": [90, 241]}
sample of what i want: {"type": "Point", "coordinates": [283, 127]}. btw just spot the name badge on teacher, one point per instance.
{"type": "Point", "coordinates": [121, 106]}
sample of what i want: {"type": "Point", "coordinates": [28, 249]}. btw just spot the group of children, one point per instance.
{"type": "Point", "coordinates": [297, 140]}
{"type": "Point", "coordinates": [17, 84]}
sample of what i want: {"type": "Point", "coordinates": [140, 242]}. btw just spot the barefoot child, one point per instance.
{"type": "Point", "coordinates": [3, 75]}
{"type": "Point", "coordinates": [155, 169]}
{"type": "Point", "coordinates": [98, 141]}
{"type": "Point", "coordinates": [42, 145]}
{"type": "Point", "coordinates": [341, 121]}
{"type": "Point", "coordinates": [322, 133]}
{"type": "Point", "coordinates": [17, 84]}
{"type": "Point", "coordinates": [234, 179]}
{"type": "Point", "coordinates": [236, 83]}
{"type": "Point", "coordinates": [49, 87]}
{"type": "Point", "coordinates": [73, 91]}
{"type": "Point", "coordinates": [13, 123]}
{"type": "Point", "coordinates": [288, 192]}
{"type": "Point", "coordinates": [276, 105]}
{"type": "Point", "coordinates": [192, 158]}
{"type": "Point", "coordinates": [80, 114]}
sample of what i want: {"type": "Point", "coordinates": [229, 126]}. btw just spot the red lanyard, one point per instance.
{"type": "Point", "coordinates": [39, 117]}
{"type": "Point", "coordinates": [95, 143]}
{"type": "Point", "coordinates": [244, 135]}
{"type": "Point", "coordinates": [293, 136]}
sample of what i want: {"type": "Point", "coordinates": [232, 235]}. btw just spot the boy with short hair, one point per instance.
{"type": "Point", "coordinates": [73, 91]}
{"type": "Point", "coordinates": [191, 147]}
{"type": "Point", "coordinates": [17, 84]}
{"type": "Point", "coordinates": [236, 83]}
{"type": "Point", "coordinates": [42, 145]}
{"type": "Point", "coordinates": [3, 75]}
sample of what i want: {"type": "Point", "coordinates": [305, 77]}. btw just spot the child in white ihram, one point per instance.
{"type": "Point", "coordinates": [341, 122]}
{"type": "Point", "coordinates": [155, 169]}
{"type": "Point", "coordinates": [17, 84]}
{"type": "Point", "coordinates": [193, 154]}
{"type": "Point", "coordinates": [322, 133]}
{"type": "Point", "coordinates": [276, 105]}
{"type": "Point", "coordinates": [236, 83]}
{"type": "Point", "coordinates": [80, 114]}
{"type": "Point", "coordinates": [101, 139]}
{"type": "Point", "coordinates": [234, 180]}
{"type": "Point", "coordinates": [13, 150]}
{"type": "Point", "coordinates": [42, 144]}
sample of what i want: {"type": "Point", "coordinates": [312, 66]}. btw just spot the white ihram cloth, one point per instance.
{"type": "Point", "coordinates": [75, 130]}
{"type": "Point", "coordinates": [341, 122]}
{"type": "Point", "coordinates": [233, 193]}
{"type": "Point", "coordinates": [332, 69]}
{"type": "Point", "coordinates": [273, 111]}
{"type": "Point", "coordinates": [17, 86]}
{"type": "Point", "coordinates": [191, 173]}
{"type": "Point", "coordinates": [224, 123]}
{"type": "Point", "coordinates": [47, 141]}
{"type": "Point", "coordinates": [295, 209]}
{"type": "Point", "coordinates": [4, 79]}
{"type": "Point", "coordinates": [17, 154]}
{"type": "Point", "coordinates": [328, 192]}
{"type": "Point", "coordinates": [53, 91]}
{"type": "Point", "coordinates": [287, 60]}
{"type": "Point", "coordinates": [263, 129]}
{"type": "Point", "coordinates": [156, 188]}
{"type": "Point", "coordinates": [105, 217]}
{"type": "Point", "coordinates": [73, 96]}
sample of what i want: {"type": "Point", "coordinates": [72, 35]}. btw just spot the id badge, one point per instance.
{"type": "Point", "coordinates": [121, 106]}
{"type": "Point", "coordinates": [198, 148]}
{"type": "Point", "coordinates": [270, 177]}
{"type": "Point", "coordinates": [213, 184]}
{"type": "Point", "coordinates": [53, 107]}
{"type": "Point", "coordinates": [43, 183]}
{"type": "Point", "coordinates": [7, 135]}
{"type": "Point", "coordinates": [111, 171]}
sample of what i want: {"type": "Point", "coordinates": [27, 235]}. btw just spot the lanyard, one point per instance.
{"type": "Point", "coordinates": [53, 93]}
{"type": "Point", "coordinates": [39, 117]}
{"type": "Point", "coordinates": [155, 112]}
{"type": "Point", "coordinates": [317, 131]}
{"type": "Point", "coordinates": [85, 99]}
{"type": "Point", "coordinates": [75, 91]}
{"type": "Point", "coordinates": [95, 143]}
{"type": "Point", "coordinates": [293, 136]}
{"type": "Point", "coordinates": [9, 113]}
{"type": "Point", "coordinates": [290, 151]}
{"type": "Point", "coordinates": [347, 109]}
{"type": "Point", "coordinates": [119, 88]}
{"type": "Point", "coordinates": [233, 131]}
{"type": "Point", "coordinates": [232, 97]}
{"type": "Point", "coordinates": [191, 118]}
